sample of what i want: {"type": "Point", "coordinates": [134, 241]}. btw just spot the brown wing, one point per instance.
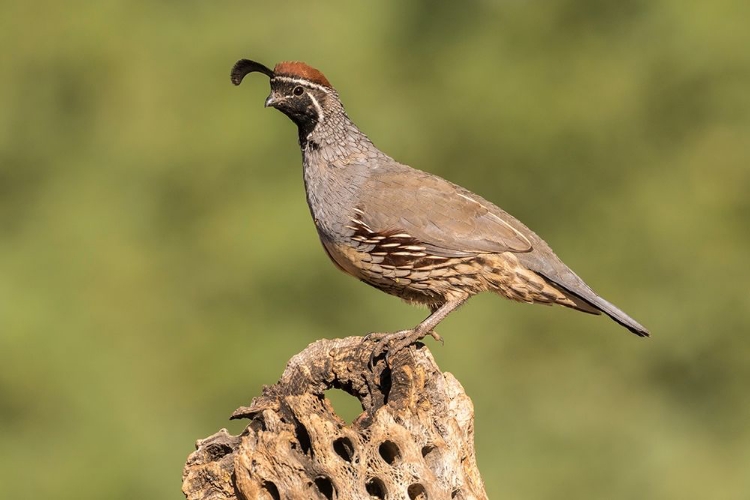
{"type": "Point", "coordinates": [447, 219]}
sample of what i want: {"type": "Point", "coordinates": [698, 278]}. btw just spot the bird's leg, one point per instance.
{"type": "Point", "coordinates": [394, 342]}
{"type": "Point", "coordinates": [432, 333]}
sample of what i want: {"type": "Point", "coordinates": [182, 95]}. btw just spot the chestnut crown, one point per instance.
{"type": "Point", "coordinates": [286, 69]}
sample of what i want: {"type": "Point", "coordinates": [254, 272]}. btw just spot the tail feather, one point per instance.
{"type": "Point", "coordinates": [593, 304]}
{"type": "Point", "coordinates": [620, 317]}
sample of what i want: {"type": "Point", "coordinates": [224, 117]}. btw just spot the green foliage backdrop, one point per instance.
{"type": "Point", "coordinates": [158, 263]}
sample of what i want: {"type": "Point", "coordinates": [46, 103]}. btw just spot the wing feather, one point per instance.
{"type": "Point", "coordinates": [447, 219]}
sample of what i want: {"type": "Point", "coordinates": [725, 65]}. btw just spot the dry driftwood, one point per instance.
{"type": "Point", "coordinates": [413, 440]}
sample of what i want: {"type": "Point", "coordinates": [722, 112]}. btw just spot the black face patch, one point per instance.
{"type": "Point", "coordinates": [298, 106]}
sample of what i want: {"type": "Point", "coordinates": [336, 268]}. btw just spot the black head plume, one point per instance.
{"type": "Point", "coordinates": [245, 66]}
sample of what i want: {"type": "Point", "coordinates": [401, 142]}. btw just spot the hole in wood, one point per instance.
{"type": "Point", "coordinates": [417, 492]}
{"type": "Point", "coordinates": [389, 452]}
{"type": "Point", "coordinates": [431, 456]}
{"type": "Point", "coordinates": [346, 406]}
{"type": "Point", "coordinates": [385, 384]}
{"type": "Point", "coordinates": [218, 450]}
{"type": "Point", "coordinates": [271, 491]}
{"type": "Point", "coordinates": [325, 486]}
{"type": "Point", "coordinates": [376, 488]}
{"type": "Point", "coordinates": [344, 448]}
{"type": "Point", "coordinates": [302, 437]}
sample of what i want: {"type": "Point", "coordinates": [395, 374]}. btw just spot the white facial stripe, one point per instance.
{"type": "Point", "coordinates": [300, 81]}
{"type": "Point", "coordinates": [317, 108]}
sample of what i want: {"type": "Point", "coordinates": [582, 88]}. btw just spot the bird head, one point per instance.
{"type": "Point", "coordinates": [297, 90]}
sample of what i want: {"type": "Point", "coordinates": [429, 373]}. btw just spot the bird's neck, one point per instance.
{"type": "Point", "coordinates": [334, 136]}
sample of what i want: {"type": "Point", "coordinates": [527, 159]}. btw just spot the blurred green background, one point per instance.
{"type": "Point", "coordinates": [158, 263]}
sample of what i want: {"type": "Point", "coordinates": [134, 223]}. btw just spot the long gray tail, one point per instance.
{"type": "Point", "coordinates": [620, 317]}
{"type": "Point", "coordinates": [587, 300]}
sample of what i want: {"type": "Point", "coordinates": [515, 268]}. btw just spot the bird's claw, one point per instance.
{"type": "Point", "coordinates": [435, 335]}
{"type": "Point", "coordinates": [382, 344]}
{"type": "Point", "coordinates": [391, 343]}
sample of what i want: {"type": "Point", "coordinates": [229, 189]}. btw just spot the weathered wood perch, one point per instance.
{"type": "Point", "coordinates": [414, 439]}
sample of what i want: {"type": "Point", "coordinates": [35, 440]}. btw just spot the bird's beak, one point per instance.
{"type": "Point", "coordinates": [271, 100]}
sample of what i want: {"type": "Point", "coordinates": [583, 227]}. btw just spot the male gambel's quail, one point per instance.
{"type": "Point", "coordinates": [410, 233]}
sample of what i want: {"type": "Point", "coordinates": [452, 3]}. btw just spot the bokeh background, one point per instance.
{"type": "Point", "coordinates": [158, 263]}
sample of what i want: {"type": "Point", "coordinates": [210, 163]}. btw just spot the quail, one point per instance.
{"type": "Point", "coordinates": [407, 232]}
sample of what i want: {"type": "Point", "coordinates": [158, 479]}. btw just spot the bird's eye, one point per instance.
{"type": "Point", "coordinates": [298, 90]}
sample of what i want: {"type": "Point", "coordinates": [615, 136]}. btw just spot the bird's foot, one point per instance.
{"type": "Point", "coordinates": [391, 343]}
{"type": "Point", "coordinates": [435, 335]}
